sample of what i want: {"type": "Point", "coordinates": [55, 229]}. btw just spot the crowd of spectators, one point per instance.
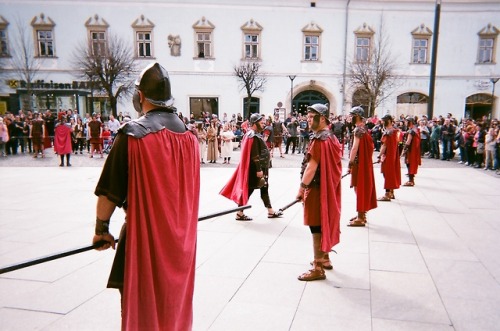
{"type": "Point", "coordinates": [217, 137]}
{"type": "Point", "coordinates": [473, 143]}
{"type": "Point", "coordinates": [89, 131]}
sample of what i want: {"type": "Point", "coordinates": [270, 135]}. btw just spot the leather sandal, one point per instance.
{"type": "Point", "coordinates": [316, 273]}
{"type": "Point", "coordinates": [356, 223]}
{"type": "Point", "coordinates": [409, 184]}
{"type": "Point", "coordinates": [276, 214]}
{"type": "Point", "coordinates": [384, 198]}
{"type": "Point", "coordinates": [243, 217]}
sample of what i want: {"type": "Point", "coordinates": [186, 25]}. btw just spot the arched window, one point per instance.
{"type": "Point", "coordinates": [307, 98]}
{"type": "Point", "coordinates": [478, 105]}
{"type": "Point", "coordinates": [412, 103]}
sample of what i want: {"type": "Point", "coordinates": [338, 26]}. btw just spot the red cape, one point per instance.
{"type": "Point", "coordinates": [162, 220]}
{"type": "Point", "coordinates": [62, 140]}
{"type": "Point", "coordinates": [47, 142]}
{"type": "Point", "coordinates": [236, 188]}
{"type": "Point", "coordinates": [366, 197]}
{"type": "Point", "coordinates": [391, 167]}
{"type": "Point", "coordinates": [331, 192]}
{"type": "Point", "coordinates": [413, 156]}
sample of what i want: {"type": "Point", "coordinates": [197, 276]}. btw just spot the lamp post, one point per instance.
{"type": "Point", "coordinates": [292, 77]}
{"type": "Point", "coordinates": [493, 82]}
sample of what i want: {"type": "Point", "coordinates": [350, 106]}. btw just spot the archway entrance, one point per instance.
{"type": "Point", "coordinates": [307, 98]}
{"type": "Point", "coordinates": [412, 103]}
{"type": "Point", "coordinates": [478, 105]}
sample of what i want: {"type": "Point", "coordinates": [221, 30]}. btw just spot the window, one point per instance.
{"type": "Point", "coordinates": [362, 49]}
{"type": "Point", "coordinates": [143, 30]}
{"type": "Point", "coordinates": [45, 43]}
{"type": "Point", "coordinates": [311, 48]}
{"type": "Point", "coordinates": [363, 44]}
{"type": "Point", "coordinates": [97, 28]}
{"type": "Point", "coordinates": [204, 44]}
{"type": "Point", "coordinates": [254, 106]}
{"type": "Point", "coordinates": [98, 43]}
{"type": "Point", "coordinates": [203, 39]}
{"type": "Point", "coordinates": [144, 44]}
{"type": "Point", "coordinates": [251, 46]}
{"type": "Point", "coordinates": [312, 36]}
{"type": "Point", "coordinates": [420, 49]}
{"type": "Point", "coordinates": [487, 45]}
{"type": "Point", "coordinates": [198, 105]}
{"type": "Point", "coordinates": [251, 40]}
{"type": "Point", "coordinates": [420, 46]}
{"type": "Point", "coordinates": [4, 41]}
{"type": "Point", "coordinates": [485, 50]}
{"type": "Point", "coordinates": [43, 29]}
{"type": "Point", "coordinates": [4, 46]}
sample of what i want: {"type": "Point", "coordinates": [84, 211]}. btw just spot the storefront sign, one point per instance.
{"type": "Point", "coordinates": [51, 85]}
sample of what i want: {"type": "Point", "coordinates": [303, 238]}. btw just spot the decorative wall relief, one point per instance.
{"type": "Point", "coordinates": [174, 43]}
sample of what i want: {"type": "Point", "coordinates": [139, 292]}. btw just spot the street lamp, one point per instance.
{"type": "Point", "coordinates": [292, 77]}
{"type": "Point", "coordinates": [493, 82]}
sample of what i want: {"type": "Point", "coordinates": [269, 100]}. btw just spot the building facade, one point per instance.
{"type": "Point", "coordinates": [304, 48]}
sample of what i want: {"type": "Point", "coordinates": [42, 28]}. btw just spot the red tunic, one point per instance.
{"type": "Point", "coordinates": [37, 131]}
{"type": "Point", "coordinates": [413, 157]}
{"type": "Point", "coordinates": [391, 167]}
{"type": "Point", "coordinates": [62, 140]}
{"type": "Point", "coordinates": [322, 204]}
{"type": "Point", "coordinates": [162, 214]}
{"type": "Point", "coordinates": [362, 176]}
{"type": "Point", "coordinates": [236, 188]}
{"type": "Point", "coordinates": [95, 132]}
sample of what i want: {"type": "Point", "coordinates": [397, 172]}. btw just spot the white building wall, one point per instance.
{"type": "Point", "coordinates": [281, 42]}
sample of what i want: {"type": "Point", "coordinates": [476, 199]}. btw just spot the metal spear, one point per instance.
{"type": "Point", "coordinates": [96, 245]}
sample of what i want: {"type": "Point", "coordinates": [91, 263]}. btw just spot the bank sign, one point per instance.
{"type": "Point", "coordinates": [51, 85]}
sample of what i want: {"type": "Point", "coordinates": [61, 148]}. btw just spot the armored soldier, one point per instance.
{"type": "Point", "coordinates": [361, 168]}
{"type": "Point", "coordinates": [411, 150]}
{"type": "Point", "coordinates": [389, 158]}
{"type": "Point", "coordinates": [38, 134]}
{"type": "Point", "coordinates": [320, 190]}
{"type": "Point", "coordinates": [152, 171]}
{"type": "Point", "coordinates": [252, 171]}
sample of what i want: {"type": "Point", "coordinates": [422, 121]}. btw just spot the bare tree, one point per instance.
{"type": "Point", "coordinates": [374, 78]}
{"type": "Point", "coordinates": [111, 69]}
{"type": "Point", "coordinates": [24, 62]}
{"type": "Point", "coordinates": [251, 80]}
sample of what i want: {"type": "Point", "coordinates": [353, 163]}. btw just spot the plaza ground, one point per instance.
{"type": "Point", "coordinates": [426, 261]}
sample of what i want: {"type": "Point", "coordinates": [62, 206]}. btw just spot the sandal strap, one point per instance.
{"type": "Point", "coordinates": [243, 218]}
{"type": "Point", "coordinates": [313, 274]}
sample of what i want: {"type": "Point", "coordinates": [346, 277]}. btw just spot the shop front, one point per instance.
{"type": "Point", "coordinates": [56, 96]}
